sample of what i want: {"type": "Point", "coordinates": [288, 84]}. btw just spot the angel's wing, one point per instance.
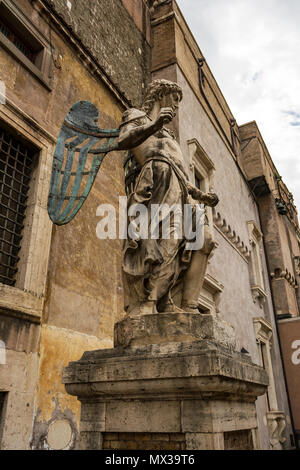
{"type": "Point", "coordinates": [80, 150]}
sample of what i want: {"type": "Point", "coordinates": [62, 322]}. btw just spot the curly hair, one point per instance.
{"type": "Point", "coordinates": [156, 89]}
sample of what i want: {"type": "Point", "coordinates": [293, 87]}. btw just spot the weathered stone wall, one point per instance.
{"type": "Point", "coordinates": [237, 206]}
{"type": "Point", "coordinates": [18, 377]}
{"type": "Point", "coordinates": [107, 30]}
{"type": "Point", "coordinates": [83, 297]}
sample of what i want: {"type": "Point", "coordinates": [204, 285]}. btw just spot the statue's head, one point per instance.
{"type": "Point", "coordinates": [167, 93]}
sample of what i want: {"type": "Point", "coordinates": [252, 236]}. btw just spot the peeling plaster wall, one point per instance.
{"type": "Point", "coordinates": [59, 346]}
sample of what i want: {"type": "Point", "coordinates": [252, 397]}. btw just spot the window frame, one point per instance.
{"type": "Point", "coordinates": [43, 68]}
{"type": "Point", "coordinates": [26, 298]}
{"type": "Point", "coordinates": [201, 165]}
{"type": "Point", "coordinates": [275, 419]}
{"type": "Point", "coordinates": [257, 280]}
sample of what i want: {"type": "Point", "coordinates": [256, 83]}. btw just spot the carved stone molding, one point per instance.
{"type": "Point", "coordinates": [263, 330]}
{"type": "Point", "coordinates": [255, 235]}
{"type": "Point", "coordinates": [153, 4]}
{"type": "Point", "coordinates": [259, 295]}
{"type": "Point", "coordinates": [211, 294]}
{"type": "Point", "coordinates": [232, 237]}
{"type": "Point", "coordinates": [297, 264]}
{"type": "Point", "coordinates": [256, 268]}
{"type": "Point", "coordinates": [280, 273]}
{"type": "Point", "coordinates": [198, 155]}
{"type": "Point", "coordinates": [276, 424]}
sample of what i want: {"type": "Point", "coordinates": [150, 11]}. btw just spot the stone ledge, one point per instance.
{"type": "Point", "coordinates": [200, 370]}
{"type": "Point", "coordinates": [173, 327]}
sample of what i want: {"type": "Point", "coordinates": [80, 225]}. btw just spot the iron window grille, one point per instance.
{"type": "Point", "coordinates": [16, 165]}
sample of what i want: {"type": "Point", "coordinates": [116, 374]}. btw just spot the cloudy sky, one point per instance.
{"type": "Point", "coordinates": [253, 50]}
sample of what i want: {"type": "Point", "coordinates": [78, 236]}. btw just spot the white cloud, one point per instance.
{"type": "Point", "coordinates": [252, 48]}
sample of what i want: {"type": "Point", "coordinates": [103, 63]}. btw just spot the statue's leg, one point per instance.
{"type": "Point", "coordinates": [165, 275]}
{"type": "Point", "coordinates": [193, 281]}
{"type": "Point", "coordinates": [135, 297]}
{"type": "Point", "coordinates": [194, 276]}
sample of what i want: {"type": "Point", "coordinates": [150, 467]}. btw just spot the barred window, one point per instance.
{"type": "Point", "coordinates": [17, 160]}
{"type": "Point", "coordinates": [22, 39]}
{"type": "Point", "coordinates": [18, 41]}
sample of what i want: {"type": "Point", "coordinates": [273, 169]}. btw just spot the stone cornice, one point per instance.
{"type": "Point", "coordinates": [279, 274]}
{"type": "Point", "coordinates": [263, 330]}
{"type": "Point", "coordinates": [231, 236]}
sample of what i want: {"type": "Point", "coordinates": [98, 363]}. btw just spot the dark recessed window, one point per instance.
{"type": "Point", "coordinates": [197, 181]}
{"type": "Point", "coordinates": [3, 397]}
{"type": "Point", "coordinates": [21, 38]}
{"type": "Point", "coordinates": [17, 33]}
{"type": "Point", "coordinates": [17, 160]}
{"type": "Point", "coordinates": [18, 41]}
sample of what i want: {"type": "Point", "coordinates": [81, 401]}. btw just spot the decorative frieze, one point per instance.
{"type": "Point", "coordinates": [280, 273]}
{"type": "Point", "coordinates": [223, 226]}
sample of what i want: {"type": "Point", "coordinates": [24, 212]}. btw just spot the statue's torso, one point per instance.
{"type": "Point", "coordinates": [162, 143]}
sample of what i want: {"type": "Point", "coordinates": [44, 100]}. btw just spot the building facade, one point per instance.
{"type": "Point", "coordinates": [280, 227]}
{"type": "Point", "coordinates": [60, 291]}
{"type": "Point", "coordinates": [237, 284]}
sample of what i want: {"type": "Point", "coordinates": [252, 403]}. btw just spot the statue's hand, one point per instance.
{"type": "Point", "coordinates": [165, 116]}
{"type": "Point", "coordinates": [211, 199]}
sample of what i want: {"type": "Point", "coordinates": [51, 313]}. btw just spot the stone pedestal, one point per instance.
{"type": "Point", "coordinates": [172, 382]}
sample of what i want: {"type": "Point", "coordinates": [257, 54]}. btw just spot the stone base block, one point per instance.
{"type": "Point", "coordinates": [148, 396]}
{"type": "Point", "coordinates": [173, 327]}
